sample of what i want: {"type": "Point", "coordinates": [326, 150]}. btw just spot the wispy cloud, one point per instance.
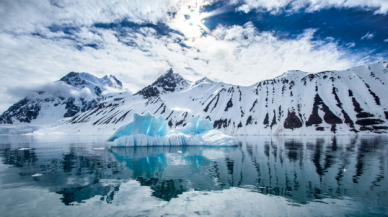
{"type": "Point", "coordinates": [368, 36]}
{"type": "Point", "coordinates": [351, 44]}
{"type": "Point", "coordinates": [276, 6]}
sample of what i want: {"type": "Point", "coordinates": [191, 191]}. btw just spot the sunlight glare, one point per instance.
{"type": "Point", "coordinates": [189, 19]}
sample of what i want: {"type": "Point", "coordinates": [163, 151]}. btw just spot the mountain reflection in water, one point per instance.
{"type": "Point", "coordinates": [301, 169]}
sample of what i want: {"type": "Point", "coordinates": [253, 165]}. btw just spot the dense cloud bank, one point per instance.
{"type": "Point", "coordinates": [41, 41]}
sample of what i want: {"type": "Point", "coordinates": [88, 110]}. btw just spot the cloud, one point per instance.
{"type": "Point", "coordinates": [368, 36]}
{"type": "Point", "coordinates": [240, 55]}
{"type": "Point", "coordinates": [351, 44]}
{"type": "Point", "coordinates": [245, 8]}
{"type": "Point", "coordinates": [49, 90]}
{"type": "Point", "coordinates": [42, 41]}
{"type": "Point", "coordinates": [276, 6]}
{"type": "Point", "coordinates": [243, 55]}
{"type": "Point", "coordinates": [386, 40]}
{"type": "Point", "coordinates": [37, 14]}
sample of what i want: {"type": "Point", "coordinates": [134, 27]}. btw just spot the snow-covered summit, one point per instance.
{"type": "Point", "coordinates": [167, 83]}
{"type": "Point", "coordinates": [86, 80]}
{"type": "Point", "coordinates": [203, 80]}
{"type": "Point", "coordinates": [112, 81]}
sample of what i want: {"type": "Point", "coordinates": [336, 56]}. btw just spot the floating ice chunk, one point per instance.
{"type": "Point", "coordinates": [148, 130]}
{"type": "Point", "coordinates": [37, 175]}
{"type": "Point", "coordinates": [23, 149]}
{"type": "Point", "coordinates": [215, 137]}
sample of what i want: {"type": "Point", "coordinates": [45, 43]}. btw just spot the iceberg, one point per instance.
{"type": "Point", "coordinates": [149, 130]}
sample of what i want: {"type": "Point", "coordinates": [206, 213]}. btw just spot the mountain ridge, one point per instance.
{"type": "Point", "coordinates": [329, 102]}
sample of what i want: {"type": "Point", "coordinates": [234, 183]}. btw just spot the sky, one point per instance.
{"type": "Point", "coordinates": [234, 41]}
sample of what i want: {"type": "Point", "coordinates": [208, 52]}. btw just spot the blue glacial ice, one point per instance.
{"type": "Point", "coordinates": [149, 130]}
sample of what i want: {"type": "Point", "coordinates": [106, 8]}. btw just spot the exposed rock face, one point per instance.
{"type": "Point", "coordinates": [24, 111]}
{"type": "Point", "coordinates": [329, 116]}
{"type": "Point", "coordinates": [292, 121]}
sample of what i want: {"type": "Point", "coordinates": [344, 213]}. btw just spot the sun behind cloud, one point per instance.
{"type": "Point", "coordinates": [189, 19]}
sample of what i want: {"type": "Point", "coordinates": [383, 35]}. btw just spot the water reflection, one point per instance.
{"type": "Point", "coordinates": [76, 172]}
{"type": "Point", "coordinates": [302, 170]}
{"type": "Point", "coordinates": [170, 171]}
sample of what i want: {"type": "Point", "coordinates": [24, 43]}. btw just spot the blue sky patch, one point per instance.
{"type": "Point", "coordinates": [348, 27]}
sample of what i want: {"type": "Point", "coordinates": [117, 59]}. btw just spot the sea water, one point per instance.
{"type": "Point", "coordinates": [262, 176]}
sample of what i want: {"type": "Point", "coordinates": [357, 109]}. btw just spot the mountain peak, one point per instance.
{"type": "Point", "coordinates": [112, 81]}
{"type": "Point", "coordinates": [83, 79]}
{"type": "Point", "coordinates": [169, 72]}
{"type": "Point", "coordinates": [167, 82]}
{"type": "Point", "coordinates": [204, 80]}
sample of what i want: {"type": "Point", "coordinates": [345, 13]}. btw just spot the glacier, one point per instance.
{"type": "Point", "coordinates": [149, 130]}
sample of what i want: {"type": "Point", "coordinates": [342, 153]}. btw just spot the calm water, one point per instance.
{"type": "Point", "coordinates": [263, 176]}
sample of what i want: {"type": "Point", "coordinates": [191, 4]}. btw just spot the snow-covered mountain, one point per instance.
{"type": "Point", "coordinates": [86, 80]}
{"type": "Point", "coordinates": [166, 83]}
{"type": "Point", "coordinates": [301, 103]}
{"type": "Point", "coordinates": [72, 94]}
